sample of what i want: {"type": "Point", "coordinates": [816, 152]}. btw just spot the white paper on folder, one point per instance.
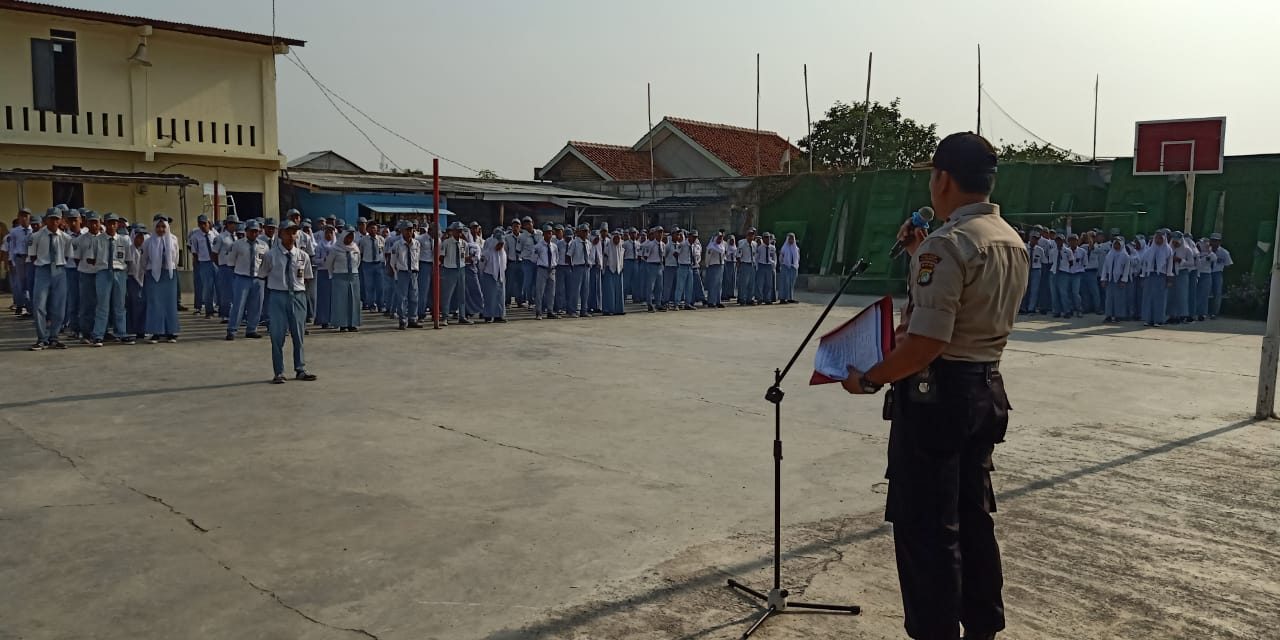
{"type": "Point", "coordinates": [857, 345]}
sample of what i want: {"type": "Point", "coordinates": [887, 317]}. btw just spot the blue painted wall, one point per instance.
{"type": "Point", "coordinates": [347, 205]}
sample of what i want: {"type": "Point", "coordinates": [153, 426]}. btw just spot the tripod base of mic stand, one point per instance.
{"type": "Point", "coordinates": [776, 602]}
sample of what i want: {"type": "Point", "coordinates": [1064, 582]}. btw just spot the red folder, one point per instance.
{"type": "Point", "coordinates": [884, 309]}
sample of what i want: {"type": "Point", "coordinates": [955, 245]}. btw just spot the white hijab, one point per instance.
{"type": "Point", "coordinates": [161, 253]}
{"type": "Point", "coordinates": [493, 261]}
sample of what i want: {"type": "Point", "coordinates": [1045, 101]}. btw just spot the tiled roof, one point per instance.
{"type": "Point", "coordinates": [736, 146]}
{"type": "Point", "coordinates": [621, 163]}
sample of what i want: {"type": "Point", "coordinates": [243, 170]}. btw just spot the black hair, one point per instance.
{"type": "Point", "coordinates": [978, 183]}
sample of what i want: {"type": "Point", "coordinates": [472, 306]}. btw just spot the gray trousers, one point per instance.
{"type": "Point", "coordinates": [544, 291]}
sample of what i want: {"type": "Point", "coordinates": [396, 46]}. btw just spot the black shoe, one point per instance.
{"type": "Point", "coordinates": [127, 340]}
{"type": "Point", "coordinates": [353, 329]}
{"type": "Point", "coordinates": [465, 321]}
{"type": "Point", "coordinates": [230, 337]}
{"type": "Point", "coordinates": [222, 321]}
{"type": "Point", "coordinates": [255, 335]}
{"type": "Point", "coordinates": [170, 339]}
{"type": "Point", "coordinates": [54, 344]}
{"type": "Point", "coordinates": [96, 343]}
{"type": "Point", "coordinates": [304, 376]}
{"type": "Point", "coordinates": [415, 325]}
{"type": "Point", "coordinates": [39, 346]}
{"type": "Point", "coordinates": [278, 380]}
{"type": "Point", "coordinates": [500, 320]}
{"type": "Point", "coordinates": [720, 306]}
{"type": "Point", "coordinates": [402, 326]}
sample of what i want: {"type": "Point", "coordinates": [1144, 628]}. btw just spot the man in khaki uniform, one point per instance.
{"type": "Point", "coordinates": [948, 403]}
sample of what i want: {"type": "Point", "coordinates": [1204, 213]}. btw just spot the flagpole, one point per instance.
{"type": "Point", "coordinates": [1096, 79]}
{"type": "Point", "coordinates": [759, 169]}
{"type": "Point", "coordinates": [808, 118]}
{"type": "Point", "coordinates": [979, 131]}
{"type": "Point", "coordinates": [866, 117]}
{"type": "Point", "coordinates": [648, 89]}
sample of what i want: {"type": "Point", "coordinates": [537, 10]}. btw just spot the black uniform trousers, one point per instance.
{"type": "Point", "coordinates": [940, 498]}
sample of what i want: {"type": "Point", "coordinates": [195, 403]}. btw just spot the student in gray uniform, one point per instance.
{"type": "Point", "coordinates": [563, 275]}
{"type": "Point", "coordinates": [546, 256]}
{"type": "Point", "coordinates": [515, 289]}
{"type": "Point", "coordinates": [87, 267]}
{"type": "Point", "coordinates": [453, 261]}
{"type": "Point", "coordinates": [47, 253]}
{"type": "Point", "coordinates": [225, 280]}
{"type": "Point", "coordinates": [671, 268]}
{"type": "Point", "coordinates": [747, 268]}
{"type": "Point", "coordinates": [699, 288]}
{"type": "Point", "coordinates": [766, 270]}
{"type": "Point", "coordinates": [528, 268]}
{"type": "Point", "coordinates": [110, 256]}
{"type": "Point", "coordinates": [285, 270]}
{"type": "Point", "coordinates": [614, 264]}
{"type": "Point", "coordinates": [715, 261]}
{"type": "Point", "coordinates": [246, 299]}
{"type": "Point", "coordinates": [403, 266]}
{"type": "Point", "coordinates": [576, 255]}
{"type": "Point", "coordinates": [730, 282]}
{"type": "Point", "coordinates": [595, 283]}
{"type": "Point", "coordinates": [134, 301]}
{"type": "Point", "coordinates": [343, 264]}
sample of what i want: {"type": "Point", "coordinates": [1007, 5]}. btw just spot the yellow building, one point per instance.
{"type": "Point", "coordinates": [110, 112]}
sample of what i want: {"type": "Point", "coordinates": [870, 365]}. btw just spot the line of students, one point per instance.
{"type": "Point", "coordinates": [1170, 279]}
{"type": "Point", "coordinates": [94, 278]}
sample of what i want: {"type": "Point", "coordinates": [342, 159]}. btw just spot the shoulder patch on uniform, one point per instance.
{"type": "Point", "coordinates": [925, 276]}
{"type": "Point", "coordinates": [929, 260]}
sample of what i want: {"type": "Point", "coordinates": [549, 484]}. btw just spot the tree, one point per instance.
{"type": "Point", "coordinates": [893, 142]}
{"type": "Point", "coordinates": [1027, 151]}
{"type": "Point", "coordinates": [487, 174]}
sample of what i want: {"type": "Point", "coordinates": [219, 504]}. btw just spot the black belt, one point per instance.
{"type": "Point", "coordinates": [942, 365]}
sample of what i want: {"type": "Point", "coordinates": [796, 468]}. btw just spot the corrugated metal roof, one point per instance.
{"type": "Point", "coordinates": [96, 177]}
{"type": "Point", "coordinates": [135, 21]}
{"type": "Point", "coordinates": [452, 187]}
{"type": "Point", "coordinates": [399, 211]}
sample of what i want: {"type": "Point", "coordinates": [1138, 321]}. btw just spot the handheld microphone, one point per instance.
{"type": "Point", "coordinates": [919, 220]}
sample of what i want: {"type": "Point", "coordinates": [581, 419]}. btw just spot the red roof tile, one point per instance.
{"type": "Point", "coordinates": [621, 163]}
{"type": "Point", "coordinates": [736, 146]}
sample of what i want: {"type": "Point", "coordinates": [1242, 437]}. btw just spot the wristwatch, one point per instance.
{"type": "Point", "coordinates": [867, 385]}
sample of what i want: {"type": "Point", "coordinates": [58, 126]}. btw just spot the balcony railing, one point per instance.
{"type": "Point", "coordinates": [89, 124]}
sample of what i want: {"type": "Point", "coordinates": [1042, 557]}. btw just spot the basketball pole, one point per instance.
{"type": "Point", "coordinates": [1266, 407]}
{"type": "Point", "coordinates": [1191, 202]}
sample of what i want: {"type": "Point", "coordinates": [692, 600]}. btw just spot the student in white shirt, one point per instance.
{"type": "Point", "coordinates": [343, 264]}
{"type": "Point", "coordinates": [747, 268]}
{"type": "Point", "coordinates": [493, 277]}
{"type": "Point", "coordinates": [651, 251]}
{"type": "Point", "coordinates": [201, 245]}
{"type": "Point", "coordinates": [286, 269]}
{"type": "Point", "coordinates": [1113, 276]}
{"type": "Point", "coordinates": [403, 259]}
{"type": "Point", "coordinates": [715, 262]}
{"type": "Point", "coordinates": [1157, 268]}
{"type": "Point", "coordinates": [160, 258]}
{"type": "Point", "coordinates": [1222, 260]}
{"type": "Point", "coordinates": [1184, 262]}
{"type": "Point", "coordinates": [225, 280]}
{"type": "Point", "coordinates": [247, 296]}
{"type": "Point", "coordinates": [47, 252]}
{"type": "Point", "coordinates": [730, 284]}
{"type": "Point", "coordinates": [614, 264]}
{"type": "Point", "coordinates": [788, 270]}
{"type": "Point", "coordinates": [546, 258]}
{"type": "Point", "coordinates": [135, 301]}
{"type": "Point", "coordinates": [1205, 259]}
{"type": "Point", "coordinates": [110, 256]}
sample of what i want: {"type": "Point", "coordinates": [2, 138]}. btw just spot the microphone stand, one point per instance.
{"type": "Point", "coordinates": [775, 601]}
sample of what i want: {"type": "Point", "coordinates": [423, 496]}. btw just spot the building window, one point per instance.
{"type": "Point", "coordinates": [54, 81]}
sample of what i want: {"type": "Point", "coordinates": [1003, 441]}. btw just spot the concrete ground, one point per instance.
{"type": "Point", "coordinates": [601, 478]}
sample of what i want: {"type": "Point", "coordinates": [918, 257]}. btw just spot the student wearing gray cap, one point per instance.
{"type": "Point", "coordinates": [71, 315]}
{"type": "Point", "coordinates": [403, 262]}
{"type": "Point", "coordinates": [515, 289]}
{"type": "Point", "coordinates": [576, 257]}
{"type": "Point", "coordinates": [371, 248]}
{"type": "Point", "coordinates": [110, 256]}
{"type": "Point", "coordinates": [715, 261]}
{"type": "Point", "coordinates": [453, 262]}
{"type": "Point", "coordinates": [1222, 260]}
{"type": "Point", "coordinates": [15, 250]}
{"type": "Point", "coordinates": [226, 276]}
{"type": "Point", "coordinates": [246, 299]}
{"type": "Point", "coordinates": [285, 270]}
{"type": "Point", "coordinates": [528, 267]}
{"type": "Point", "coordinates": [47, 253]}
{"type": "Point", "coordinates": [86, 270]}
{"type": "Point", "coordinates": [766, 276]}
{"type": "Point", "coordinates": [747, 268]}
{"type": "Point", "coordinates": [200, 243]}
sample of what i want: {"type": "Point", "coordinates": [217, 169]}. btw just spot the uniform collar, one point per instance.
{"type": "Point", "coordinates": [975, 209]}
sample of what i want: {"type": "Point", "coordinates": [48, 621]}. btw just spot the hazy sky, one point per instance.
{"type": "Point", "coordinates": [502, 84]}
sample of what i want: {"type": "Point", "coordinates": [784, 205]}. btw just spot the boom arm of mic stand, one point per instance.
{"type": "Point", "coordinates": [774, 394]}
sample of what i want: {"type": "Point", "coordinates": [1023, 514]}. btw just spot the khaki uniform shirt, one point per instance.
{"type": "Point", "coordinates": [967, 279]}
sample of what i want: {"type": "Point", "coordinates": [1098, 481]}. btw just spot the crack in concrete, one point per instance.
{"type": "Point", "coordinates": [276, 598]}
{"type": "Point", "coordinates": [75, 465]}
{"type": "Point", "coordinates": [168, 506]}
{"type": "Point", "coordinates": [1153, 365]}
{"type": "Point", "coordinates": [554, 456]}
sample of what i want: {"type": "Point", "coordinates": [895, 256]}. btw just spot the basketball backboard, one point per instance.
{"type": "Point", "coordinates": [1193, 145]}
